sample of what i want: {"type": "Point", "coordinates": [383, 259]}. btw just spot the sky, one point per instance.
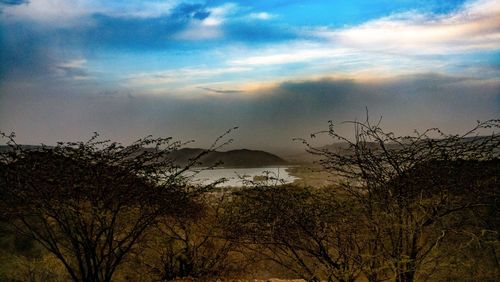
{"type": "Point", "coordinates": [277, 69]}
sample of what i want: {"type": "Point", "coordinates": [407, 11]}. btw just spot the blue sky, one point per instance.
{"type": "Point", "coordinates": [186, 54]}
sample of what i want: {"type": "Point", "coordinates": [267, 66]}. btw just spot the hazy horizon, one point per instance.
{"type": "Point", "coordinates": [278, 70]}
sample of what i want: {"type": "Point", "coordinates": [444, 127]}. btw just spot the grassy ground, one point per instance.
{"type": "Point", "coordinates": [311, 176]}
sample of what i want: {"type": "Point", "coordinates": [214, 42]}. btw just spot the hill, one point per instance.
{"type": "Point", "coordinates": [305, 157]}
{"type": "Point", "coordinates": [233, 158]}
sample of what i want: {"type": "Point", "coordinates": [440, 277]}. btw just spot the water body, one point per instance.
{"type": "Point", "coordinates": [237, 177]}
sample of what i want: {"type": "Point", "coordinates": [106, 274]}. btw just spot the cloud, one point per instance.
{"type": "Point", "coordinates": [190, 11]}
{"type": "Point", "coordinates": [261, 16]}
{"type": "Point", "coordinates": [220, 91]}
{"type": "Point", "coordinates": [289, 54]}
{"type": "Point", "coordinates": [268, 118]}
{"type": "Point", "coordinates": [198, 31]}
{"type": "Point", "coordinates": [73, 64]}
{"type": "Point", "coordinates": [64, 13]}
{"type": "Point", "coordinates": [205, 23]}
{"type": "Point", "coordinates": [402, 43]}
{"type": "Point", "coordinates": [73, 69]}
{"type": "Point", "coordinates": [231, 51]}
{"type": "Point", "coordinates": [51, 12]}
{"type": "Point", "coordinates": [474, 27]}
{"type": "Point", "coordinates": [183, 75]}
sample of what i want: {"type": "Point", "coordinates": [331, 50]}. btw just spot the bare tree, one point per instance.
{"type": "Point", "coordinates": [187, 247]}
{"type": "Point", "coordinates": [409, 188]}
{"type": "Point", "coordinates": [89, 203]}
{"type": "Point", "coordinates": [310, 232]}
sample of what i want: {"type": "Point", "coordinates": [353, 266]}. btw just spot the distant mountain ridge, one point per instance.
{"type": "Point", "coordinates": [344, 148]}
{"type": "Point", "coordinates": [232, 158]}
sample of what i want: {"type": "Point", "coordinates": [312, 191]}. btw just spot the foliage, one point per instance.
{"type": "Point", "coordinates": [401, 208]}
{"type": "Point", "coordinates": [398, 207]}
{"type": "Point", "coordinates": [307, 231]}
{"type": "Point", "coordinates": [194, 247]}
{"type": "Point", "coordinates": [409, 188]}
{"type": "Point", "coordinates": [89, 203]}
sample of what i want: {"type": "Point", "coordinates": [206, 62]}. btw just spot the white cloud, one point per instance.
{"type": "Point", "coordinates": [318, 60]}
{"type": "Point", "coordinates": [218, 14]}
{"type": "Point", "coordinates": [57, 12]}
{"type": "Point", "coordinates": [400, 44]}
{"type": "Point", "coordinates": [73, 69]}
{"type": "Point", "coordinates": [474, 27]}
{"type": "Point", "coordinates": [261, 16]}
{"type": "Point", "coordinates": [77, 63]}
{"type": "Point", "coordinates": [290, 53]}
{"type": "Point", "coordinates": [197, 31]}
{"type": "Point", "coordinates": [68, 13]}
{"type": "Point", "coordinates": [182, 75]}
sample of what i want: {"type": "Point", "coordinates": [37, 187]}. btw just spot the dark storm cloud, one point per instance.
{"type": "Point", "coordinates": [267, 119]}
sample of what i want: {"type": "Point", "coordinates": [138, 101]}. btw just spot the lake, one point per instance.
{"type": "Point", "coordinates": [234, 175]}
